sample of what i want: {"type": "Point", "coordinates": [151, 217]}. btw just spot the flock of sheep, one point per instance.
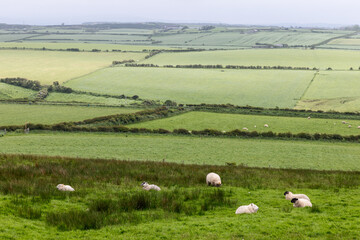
{"type": "Point", "coordinates": [213, 179]}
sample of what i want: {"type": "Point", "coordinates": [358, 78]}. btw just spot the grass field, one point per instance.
{"type": "Point", "coordinates": [8, 91]}
{"type": "Point", "coordinates": [110, 205]}
{"type": "Point", "coordinates": [13, 37]}
{"type": "Point", "coordinates": [336, 59]}
{"type": "Point", "coordinates": [334, 84]}
{"type": "Point", "coordinates": [49, 66]}
{"type": "Point", "coordinates": [200, 85]}
{"type": "Point", "coordinates": [19, 114]}
{"type": "Point", "coordinates": [345, 104]}
{"type": "Point", "coordinates": [228, 122]}
{"type": "Point", "coordinates": [345, 41]}
{"type": "Point", "coordinates": [188, 150]}
{"type": "Point", "coordinates": [84, 98]}
{"type": "Point", "coordinates": [81, 46]}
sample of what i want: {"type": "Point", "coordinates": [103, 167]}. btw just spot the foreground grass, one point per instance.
{"type": "Point", "coordinates": [228, 122]}
{"type": "Point", "coordinates": [19, 114]}
{"type": "Point", "coordinates": [31, 207]}
{"type": "Point", "coordinates": [50, 66]}
{"type": "Point", "coordinates": [239, 87]}
{"type": "Point", "coordinates": [188, 149]}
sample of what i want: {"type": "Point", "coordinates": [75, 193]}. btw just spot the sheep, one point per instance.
{"type": "Point", "coordinates": [213, 179]}
{"type": "Point", "coordinates": [301, 202]}
{"type": "Point", "coordinates": [343, 122]}
{"type": "Point", "coordinates": [290, 195]}
{"type": "Point", "coordinates": [223, 131]}
{"type": "Point", "coordinates": [255, 126]}
{"type": "Point", "coordinates": [349, 126]}
{"type": "Point", "coordinates": [245, 128]}
{"type": "Point", "coordinates": [251, 208]}
{"type": "Point", "coordinates": [65, 188]}
{"type": "Point", "coordinates": [148, 187]}
{"type": "Point", "coordinates": [309, 117]}
{"type": "Point", "coordinates": [266, 125]}
{"type": "Point", "coordinates": [358, 127]}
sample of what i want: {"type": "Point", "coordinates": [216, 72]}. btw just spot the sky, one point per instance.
{"type": "Point", "coordinates": [257, 12]}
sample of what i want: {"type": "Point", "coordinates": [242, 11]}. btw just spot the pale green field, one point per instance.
{"type": "Point", "coordinates": [106, 38]}
{"type": "Point", "coordinates": [84, 98]}
{"type": "Point", "coordinates": [8, 91]}
{"type": "Point", "coordinates": [350, 104]}
{"type": "Point", "coordinates": [334, 84]}
{"type": "Point", "coordinates": [19, 114]}
{"type": "Point", "coordinates": [188, 149]}
{"type": "Point", "coordinates": [345, 41]}
{"type": "Point", "coordinates": [50, 66]}
{"type": "Point", "coordinates": [336, 59]}
{"type": "Point", "coordinates": [81, 46]}
{"type": "Point", "coordinates": [228, 122]}
{"type": "Point", "coordinates": [13, 37]}
{"type": "Point", "coordinates": [240, 87]}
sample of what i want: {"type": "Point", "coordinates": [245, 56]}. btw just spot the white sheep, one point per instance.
{"type": "Point", "coordinates": [289, 195]}
{"type": "Point", "coordinates": [309, 117]}
{"type": "Point", "coordinates": [213, 179]}
{"type": "Point", "coordinates": [358, 127]}
{"type": "Point", "coordinates": [343, 122]}
{"type": "Point", "coordinates": [245, 129]}
{"type": "Point", "coordinates": [251, 208]}
{"type": "Point", "coordinates": [255, 126]}
{"type": "Point", "coordinates": [223, 131]}
{"type": "Point", "coordinates": [349, 126]}
{"type": "Point", "coordinates": [148, 187]}
{"type": "Point", "coordinates": [266, 125]}
{"type": "Point", "coordinates": [65, 188]}
{"type": "Point", "coordinates": [301, 202]}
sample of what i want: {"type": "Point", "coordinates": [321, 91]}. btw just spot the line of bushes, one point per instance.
{"type": "Point", "coordinates": [23, 82]}
{"type": "Point", "coordinates": [123, 61]}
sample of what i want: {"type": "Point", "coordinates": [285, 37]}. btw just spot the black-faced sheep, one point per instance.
{"type": "Point", "coordinates": [289, 195]}
{"type": "Point", "coordinates": [212, 179]}
{"type": "Point", "coordinates": [148, 187]}
{"type": "Point", "coordinates": [251, 208]}
{"type": "Point", "coordinates": [301, 202]}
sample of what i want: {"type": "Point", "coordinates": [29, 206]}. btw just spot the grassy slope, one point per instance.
{"type": "Point", "coordinates": [337, 59]}
{"type": "Point", "coordinates": [345, 104]}
{"type": "Point", "coordinates": [48, 66]}
{"type": "Point", "coordinates": [228, 122]}
{"type": "Point", "coordinates": [84, 98]}
{"type": "Point", "coordinates": [200, 85]}
{"type": "Point", "coordinates": [19, 114]}
{"type": "Point", "coordinates": [8, 91]}
{"type": "Point", "coordinates": [181, 149]}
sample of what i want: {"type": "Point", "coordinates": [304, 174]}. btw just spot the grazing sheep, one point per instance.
{"type": "Point", "coordinates": [349, 126]}
{"type": "Point", "coordinates": [358, 127]}
{"type": "Point", "coordinates": [301, 202]}
{"type": "Point", "coordinates": [190, 131]}
{"type": "Point", "coordinates": [251, 208]}
{"type": "Point", "coordinates": [212, 179]}
{"type": "Point", "coordinates": [148, 187]}
{"type": "Point", "coordinates": [343, 122]}
{"type": "Point", "coordinates": [266, 125]}
{"type": "Point", "coordinates": [309, 117]}
{"type": "Point", "coordinates": [255, 126]}
{"type": "Point", "coordinates": [245, 129]}
{"type": "Point", "coordinates": [223, 131]}
{"type": "Point", "coordinates": [65, 188]}
{"type": "Point", "coordinates": [290, 195]}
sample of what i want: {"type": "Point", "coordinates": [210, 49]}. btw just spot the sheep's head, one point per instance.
{"type": "Point", "coordinates": [218, 183]}
{"type": "Point", "coordinates": [144, 184]}
{"type": "Point", "coordinates": [287, 192]}
{"type": "Point", "coordinates": [59, 186]}
{"type": "Point", "coordinates": [294, 200]}
{"type": "Point", "coordinates": [256, 208]}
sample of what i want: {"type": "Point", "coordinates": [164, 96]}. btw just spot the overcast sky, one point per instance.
{"type": "Point", "coordinates": [267, 12]}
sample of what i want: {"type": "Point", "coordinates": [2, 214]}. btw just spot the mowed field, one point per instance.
{"type": "Point", "coordinates": [13, 92]}
{"type": "Point", "coordinates": [50, 66]}
{"type": "Point", "coordinates": [228, 122]}
{"type": "Point", "coordinates": [19, 114]}
{"type": "Point", "coordinates": [240, 87]}
{"type": "Point", "coordinates": [297, 154]}
{"type": "Point", "coordinates": [336, 59]}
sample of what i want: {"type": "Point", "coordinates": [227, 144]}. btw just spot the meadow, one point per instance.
{"type": "Point", "coordinates": [240, 87]}
{"type": "Point", "coordinates": [13, 92]}
{"type": "Point", "coordinates": [228, 122]}
{"type": "Point", "coordinates": [343, 104]}
{"type": "Point", "coordinates": [319, 58]}
{"type": "Point", "coordinates": [19, 114]}
{"type": "Point", "coordinates": [295, 154]}
{"type": "Point", "coordinates": [50, 66]}
{"type": "Point", "coordinates": [108, 205]}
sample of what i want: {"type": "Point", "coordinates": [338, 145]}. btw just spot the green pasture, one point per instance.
{"type": "Point", "coordinates": [8, 92]}
{"type": "Point", "coordinates": [85, 98]}
{"type": "Point", "coordinates": [343, 104]}
{"type": "Point", "coordinates": [334, 84]}
{"type": "Point", "coordinates": [228, 122]}
{"type": "Point", "coordinates": [188, 149]}
{"type": "Point", "coordinates": [80, 46]}
{"type": "Point", "coordinates": [319, 58]}
{"type": "Point", "coordinates": [13, 37]}
{"type": "Point", "coordinates": [240, 87]}
{"type": "Point", "coordinates": [50, 66]}
{"type": "Point", "coordinates": [19, 114]}
{"type": "Point", "coordinates": [345, 41]}
{"type": "Point", "coordinates": [106, 38]}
